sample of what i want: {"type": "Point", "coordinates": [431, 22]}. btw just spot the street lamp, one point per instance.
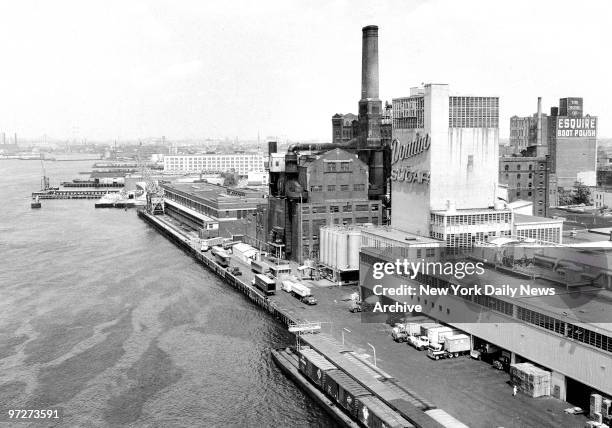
{"type": "Point", "coordinates": [373, 349]}
{"type": "Point", "coordinates": [343, 330]}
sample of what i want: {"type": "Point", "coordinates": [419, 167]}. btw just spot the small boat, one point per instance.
{"type": "Point", "coordinates": [35, 203]}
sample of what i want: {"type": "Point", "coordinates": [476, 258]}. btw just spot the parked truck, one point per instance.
{"type": "Point", "coordinates": [420, 340]}
{"type": "Point", "coordinates": [452, 347]}
{"type": "Point", "coordinates": [437, 335]}
{"type": "Point", "coordinates": [402, 332]}
{"type": "Point", "coordinates": [287, 285]}
{"type": "Point", "coordinates": [208, 243]}
{"type": "Point", "coordinates": [299, 290]}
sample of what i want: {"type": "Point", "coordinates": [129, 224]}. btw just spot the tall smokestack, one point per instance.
{"type": "Point", "coordinates": [539, 129]}
{"type": "Point", "coordinates": [369, 63]}
{"type": "Point", "coordinates": [370, 107]}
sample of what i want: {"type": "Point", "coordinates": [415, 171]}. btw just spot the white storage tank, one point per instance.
{"type": "Point", "coordinates": [333, 247]}
{"type": "Point", "coordinates": [341, 249]}
{"type": "Point", "coordinates": [354, 245]}
{"type": "Point", "coordinates": [324, 239]}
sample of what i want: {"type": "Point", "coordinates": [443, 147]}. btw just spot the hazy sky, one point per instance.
{"type": "Point", "coordinates": [129, 69]}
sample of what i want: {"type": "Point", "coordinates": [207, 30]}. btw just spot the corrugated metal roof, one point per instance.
{"type": "Point", "coordinates": [389, 416]}
{"type": "Point", "coordinates": [317, 359]}
{"type": "Point", "coordinates": [348, 383]}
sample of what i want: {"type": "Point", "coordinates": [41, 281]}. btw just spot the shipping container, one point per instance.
{"type": "Point", "coordinates": [426, 326]}
{"type": "Point", "coordinates": [314, 365]}
{"type": "Point", "coordinates": [373, 413]}
{"type": "Point", "coordinates": [346, 390]}
{"type": "Point", "coordinates": [532, 380]}
{"type": "Point", "coordinates": [435, 334]}
{"type": "Point", "coordinates": [414, 415]}
{"type": "Point", "coordinates": [457, 344]}
{"type": "Point", "coordinates": [444, 419]}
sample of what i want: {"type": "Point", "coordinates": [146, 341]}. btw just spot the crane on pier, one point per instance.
{"type": "Point", "coordinates": [155, 194]}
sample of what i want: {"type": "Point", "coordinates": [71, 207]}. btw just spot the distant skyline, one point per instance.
{"type": "Point", "coordinates": [105, 70]}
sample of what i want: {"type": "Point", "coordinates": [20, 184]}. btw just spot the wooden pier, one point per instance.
{"type": "Point", "coordinates": [192, 248]}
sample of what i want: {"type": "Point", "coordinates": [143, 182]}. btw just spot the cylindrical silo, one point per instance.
{"type": "Point", "coordinates": [341, 247]}
{"type": "Point", "coordinates": [324, 240]}
{"type": "Point", "coordinates": [354, 245]}
{"type": "Point", "coordinates": [332, 248]}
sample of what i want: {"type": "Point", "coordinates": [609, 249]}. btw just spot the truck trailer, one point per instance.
{"type": "Point", "coordinates": [208, 243]}
{"type": "Point", "coordinates": [452, 347]}
{"type": "Point", "coordinates": [300, 290]}
{"type": "Point", "coordinates": [437, 335]}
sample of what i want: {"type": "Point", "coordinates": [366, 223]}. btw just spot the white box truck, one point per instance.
{"type": "Point", "coordinates": [433, 333]}
{"type": "Point", "coordinates": [300, 290]}
{"type": "Point", "coordinates": [421, 342]}
{"type": "Point", "coordinates": [208, 243]}
{"type": "Point", "coordinates": [437, 335]}
{"type": "Point", "coordinates": [286, 286]}
{"type": "Point", "coordinates": [401, 332]}
{"type": "Point", "coordinates": [452, 347]}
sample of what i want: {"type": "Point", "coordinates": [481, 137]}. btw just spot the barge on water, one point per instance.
{"type": "Point", "coordinates": [72, 194]}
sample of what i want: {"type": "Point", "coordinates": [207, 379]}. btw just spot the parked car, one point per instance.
{"type": "Point", "coordinates": [309, 300]}
{"type": "Point", "coordinates": [355, 307]}
{"type": "Point", "coordinates": [234, 270]}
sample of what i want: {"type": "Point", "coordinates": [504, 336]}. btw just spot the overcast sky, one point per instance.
{"type": "Point", "coordinates": [195, 69]}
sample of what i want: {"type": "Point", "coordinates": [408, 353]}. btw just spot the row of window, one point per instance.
{"type": "Point", "coordinates": [317, 209]}
{"type": "Point", "coordinates": [342, 187]}
{"type": "Point", "coordinates": [471, 219]}
{"type": "Point", "coordinates": [337, 166]}
{"type": "Point", "coordinates": [473, 112]}
{"type": "Point", "coordinates": [549, 234]}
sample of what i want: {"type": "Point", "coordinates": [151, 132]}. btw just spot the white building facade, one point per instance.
{"type": "Point", "coordinates": [241, 163]}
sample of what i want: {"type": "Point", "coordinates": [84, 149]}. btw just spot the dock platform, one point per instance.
{"type": "Point", "coordinates": [73, 194]}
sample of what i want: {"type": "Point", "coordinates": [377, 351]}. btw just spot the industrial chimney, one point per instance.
{"type": "Point", "coordinates": [369, 63]}
{"type": "Point", "coordinates": [370, 107]}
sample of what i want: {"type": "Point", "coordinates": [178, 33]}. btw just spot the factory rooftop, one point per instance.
{"type": "Point", "coordinates": [205, 191]}
{"type": "Point", "coordinates": [577, 302]}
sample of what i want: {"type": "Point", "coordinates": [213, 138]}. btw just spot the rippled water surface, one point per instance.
{"type": "Point", "coordinates": [103, 317]}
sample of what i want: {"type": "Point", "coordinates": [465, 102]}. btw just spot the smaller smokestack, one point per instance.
{"type": "Point", "coordinates": [539, 130]}
{"type": "Point", "coordinates": [15, 138]}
